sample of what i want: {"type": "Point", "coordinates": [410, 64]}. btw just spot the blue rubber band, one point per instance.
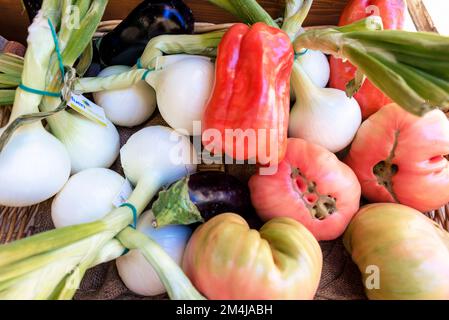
{"type": "Point", "coordinates": [39, 92]}
{"type": "Point", "coordinates": [134, 211]}
{"type": "Point", "coordinates": [299, 54]}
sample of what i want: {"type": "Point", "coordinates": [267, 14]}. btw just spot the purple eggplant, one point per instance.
{"type": "Point", "coordinates": [126, 43]}
{"type": "Point", "coordinates": [202, 196]}
{"type": "Point", "coordinates": [32, 7]}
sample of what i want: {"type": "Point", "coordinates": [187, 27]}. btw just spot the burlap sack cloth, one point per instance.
{"type": "Point", "coordinates": [340, 277]}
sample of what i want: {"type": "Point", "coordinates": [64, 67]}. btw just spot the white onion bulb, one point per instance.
{"type": "Point", "coordinates": [87, 196]}
{"type": "Point", "coordinates": [158, 151]}
{"type": "Point", "coordinates": [317, 67]}
{"type": "Point", "coordinates": [89, 144]}
{"type": "Point", "coordinates": [324, 116]}
{"type": "Point", "coordinates": [126, 107]}
{"type": "Point", "coordinates": [34, 166]}
{"type": "Point", "coordinates": [134, 270]}
{"type": "Point", "coordinates": [183, 89]}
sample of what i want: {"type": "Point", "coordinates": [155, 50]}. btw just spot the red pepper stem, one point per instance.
{"type": "Point", "coordinates": [228, 6]}
{"type": "Point", "coordinates": [254, 12]}
{"type": "Point", "coordinates": [248, 11]}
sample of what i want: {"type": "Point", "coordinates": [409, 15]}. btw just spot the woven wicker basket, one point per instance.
{"type": "Point", "coordinates": [340, 277]}
{"type": "Point", "coordinates": [17, 223]}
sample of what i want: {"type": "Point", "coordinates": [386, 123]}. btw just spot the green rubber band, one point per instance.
{"type": "Point", "coordinates": [39, 92]}
{"type": "Point", "coordinates": [139, 64]}
{"type": "Point", "coordinates": [61, 67]}
{"type": "Point", "coordinates": [299, 54]}
{"type": "Point", "coordinates": [147, 72]}
{"type": "Point", "coordinates": [58, 51]}
{"type": "Point", "coordinates": [134, 211]}
{"type": "Point", "coordinates": [134, 225]}
{"type": "Point", "coordinates": [145, 75]}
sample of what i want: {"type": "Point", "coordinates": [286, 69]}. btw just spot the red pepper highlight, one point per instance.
{"type": "Point", "coordinates": [247, 115]}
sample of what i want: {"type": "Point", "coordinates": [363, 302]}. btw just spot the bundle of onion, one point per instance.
{"type": "Point", "coordinates": [89, 144]}
{"type": "Point", "coordinates": [34, 165]}
{"type": "Point", "coordinates": [51, 265]}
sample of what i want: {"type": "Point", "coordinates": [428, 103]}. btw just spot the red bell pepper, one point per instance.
{"type": "Point", "coordinates": [392, 12]}
{"type": "Point", "coordinates": [247, 115]}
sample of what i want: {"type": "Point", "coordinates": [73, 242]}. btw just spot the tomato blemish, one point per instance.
{"type": "Point", "coordinates": [311, 198]}
{"type": "Point", "coordinates": [320, 206]}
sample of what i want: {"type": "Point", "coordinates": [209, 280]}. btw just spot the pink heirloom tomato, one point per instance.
{"type": "Point", "coordinates": [399, 157]}
{"type": "Point", "coordinates": [400, 252]}
{"type": "Point", "coordinates": [311, 186]}
{"type": "Point", "coordinates": [226, 260]}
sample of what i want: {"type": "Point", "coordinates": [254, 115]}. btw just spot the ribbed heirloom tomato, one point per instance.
{"type": "Point", "coordinates": [399, 157]}
{"type": "Point", "coordinates": [312, 186]}
{"type": "Point", "coordinates": [406, 251]}
{"type": "Point", "coordinates": [225, 259]}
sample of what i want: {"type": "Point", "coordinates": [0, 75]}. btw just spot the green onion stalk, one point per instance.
{"type": "Point", "coordinates": [11, 67]}
{"type": "Point", "coordinates": [51, 265]}
{"type": "Point", "coordinates": [40, 48]}
{"type": "Point", "coordinates": [411, 68]}
{"type": "Point", "coordinates": [201, 44]}
{"type": "Point", "coordinates": [7, 97]}
{"type": "Point", "coordinates": [11, 64]}
{"type": "Point", "coordinates": [27, 154]}
{"type": "Point", "coordinates": [296, 12]}
{"type": "Point", "coordinates": [88, 143]}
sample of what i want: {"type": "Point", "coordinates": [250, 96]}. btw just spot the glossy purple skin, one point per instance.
{"type": "Point", "coordinates": [215, 192]}
{"type": "Point", "coordinates": [32, 7]}
{"type": "Point", "coordinates": [126, 43]}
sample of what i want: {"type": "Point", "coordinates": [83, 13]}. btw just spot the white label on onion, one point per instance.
{"type": "Point", "coordinates": [124, 194]}
{"type": "Point", "coordinates": [87, 108]}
